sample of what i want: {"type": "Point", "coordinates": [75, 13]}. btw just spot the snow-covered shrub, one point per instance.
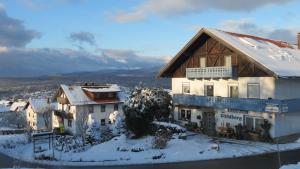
{"type": "Point", "coordinates": [175, 128]}
{"type": "Point", "coordinates": [143, 105]}
{"type": "Point", "coordinates": [93, 132]}
{"type": "Point", "coordinates": [161, 138]}
{"type": "Point", "coordinates": [70, 144]}
{"type": "Point", "coordinates": [117, 125]}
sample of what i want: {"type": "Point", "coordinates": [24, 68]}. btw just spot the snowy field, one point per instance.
{"type": "Point", "coordinates": [120, 151]}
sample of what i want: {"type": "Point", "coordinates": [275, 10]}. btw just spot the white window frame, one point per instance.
{"type": "Point", "coordinates": [186, 84]}
{"type": "Point", "coordinates": [228, 90]}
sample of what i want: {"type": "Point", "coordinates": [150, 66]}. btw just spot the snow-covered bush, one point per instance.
{"type": "Point", "coordinates": [70, 144]}
{"type": "Point", "coordinates": [145, 104]}
{"type": "Point", "coordinates": [93, 132]}
{"type": "Point", "coordinates": [175, 128]}
{"type": "Point", "coordinates": [117, 125]}
{"type": "Point", "coordinates": [161, 138]}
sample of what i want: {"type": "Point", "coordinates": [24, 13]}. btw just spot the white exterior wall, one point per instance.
{"type": "Point", "coordinates": [35, 120]}
{"type": "Point", "coordinates": [287, 88]}
{"type": "Point", "coordinates": [287, 124]}
{"type": "Point", "coordinates": [267, 86]}
{"type": "Point", "coordinates": [82, 111]}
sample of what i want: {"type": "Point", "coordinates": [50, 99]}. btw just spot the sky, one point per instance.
{"type": "Point", "coordinates": [44, 36]}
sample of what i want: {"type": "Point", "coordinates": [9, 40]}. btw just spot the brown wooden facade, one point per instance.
{"type": "Point", "coordinates": [215, 51]}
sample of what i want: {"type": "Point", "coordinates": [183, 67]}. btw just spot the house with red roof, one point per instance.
{"type": "Point", "coordinates": [237, 85]}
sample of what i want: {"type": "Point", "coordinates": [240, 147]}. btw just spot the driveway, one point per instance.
{"type": "Point", "coordinates": [265, 161]}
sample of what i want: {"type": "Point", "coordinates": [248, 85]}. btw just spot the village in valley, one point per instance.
{"type": "Point", "coordinates": [227, 100]}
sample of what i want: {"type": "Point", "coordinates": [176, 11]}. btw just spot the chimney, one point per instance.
{"type": "Point", "coordinates": [298, 40]}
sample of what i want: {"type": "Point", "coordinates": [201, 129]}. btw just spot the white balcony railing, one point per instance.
{"type": "Point", "coordinates": [209, 72]}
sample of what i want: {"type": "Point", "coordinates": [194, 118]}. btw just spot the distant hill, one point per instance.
{"type": "Point", "coordinates": [124, 77]}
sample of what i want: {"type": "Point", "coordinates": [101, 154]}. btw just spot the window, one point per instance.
{"type": "Point", "coordinates": [202, 62]}
{"type": "Point", "coordinates": [116, 107]}
{"type": "Point", "coordinates": [185, 114]}
{"type": "Point", "coordinates": [258, 123]}
{"type": "Point", "coordinates": [91, 109]}
{"type": "Point", "coordinates": [103, 108]}
{"type": "Point", "coordinates": [233, 91]}
{"type": "Point", "coordinates": [182, 115]}
{"type": "Point", "coordinates": [102, 122]}
{"type": "Point", "coordinates": [186, 88]}
{"type": "Point", "coordinates": [254, 123]}
{"type": "Point", "coordinates": [69, 123]}
{"type": "Point", "coordinates": [110, 95]}
{"type": "Point", "coordinates": [208, 90]}
{"type": "Point", "coordinates": [253, 90]}
{"type": "Point", "coordinates": [188, 114]}
{"type": "Point", "coordinates": [228, 61]}
{"type": "Point", "coordinates": [249, 123]}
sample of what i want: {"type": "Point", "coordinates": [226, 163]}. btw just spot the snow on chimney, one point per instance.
{"type": "Point", "coordinates": [298, 39]}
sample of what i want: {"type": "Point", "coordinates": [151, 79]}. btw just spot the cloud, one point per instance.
{"type": "Point", "coordinates": [248, 26]}
{"type": "Point", "coordinates": [83, 37]}
{"type": "Point", "coordinates": [167, 8]}
{"type": "Point", "coordinates": [13, 32]}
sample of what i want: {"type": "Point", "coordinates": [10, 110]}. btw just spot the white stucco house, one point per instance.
{"type": "Point", "coordinates": [222, 79]}
{"type": "Point", "coordinates": [79, 105]}
{"type": "Point", "coordinates": [39, 114]}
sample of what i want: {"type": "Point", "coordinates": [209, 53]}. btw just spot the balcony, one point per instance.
{"type": "Point", "coordinates": [210, 72]}
{"type": "Point", "coordinates": [257, 105]}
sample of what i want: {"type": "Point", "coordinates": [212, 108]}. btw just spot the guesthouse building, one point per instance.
{"type": "Point", "coordinates": [224, 80]}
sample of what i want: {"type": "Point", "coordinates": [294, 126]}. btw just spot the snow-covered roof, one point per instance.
{"type": "Point", "coordinates": [40, 105]}
{"type": "Point", "coordinates": [18, 106]}
{"type": "Point", "coordinates": [77, 96]}
{"type": "Point", "coordinates": [280, 57]}
{"type": "Point", "coordinates": [109, 88]}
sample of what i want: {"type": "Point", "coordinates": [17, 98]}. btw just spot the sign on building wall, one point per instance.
{"type": "Point", "coordinates": [232, 119]}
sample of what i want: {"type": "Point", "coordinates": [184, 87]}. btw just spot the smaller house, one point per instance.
{"type": "Point", "coordinates": [18, 106]}
{"type": "Point", "coordinates": [80, 105]}
{"type": "Point", "coordinates": [38, 113]}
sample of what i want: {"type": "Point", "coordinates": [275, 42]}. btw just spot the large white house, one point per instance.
{"type": "Point", "coordinates": [79, 105]}
{"type": "Point", "coordinates": [222, 79]}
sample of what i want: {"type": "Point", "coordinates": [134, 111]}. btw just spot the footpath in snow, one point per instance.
{"type": "Point", "coordinates": [121, 151]}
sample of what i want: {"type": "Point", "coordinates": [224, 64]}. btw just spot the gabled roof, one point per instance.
{"type": "Point", "coordinates": [40, 105]}
{"type": "Point", "coordinates": [76, 95]}
{"type": "Point", "coordinates": [278, 57]}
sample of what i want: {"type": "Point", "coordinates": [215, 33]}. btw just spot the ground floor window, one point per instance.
{"type": "Point", "coordinates": [69, 123]}
{"type": "Point", "coordinates": [102, 122]}
{"type": "Point", "coordinates": [185, 114]}
{"type": "Point", "coordinates": [254, 123]}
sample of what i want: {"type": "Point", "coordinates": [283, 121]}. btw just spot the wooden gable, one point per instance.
{"type": "Point", "coordinates": [215, 51]}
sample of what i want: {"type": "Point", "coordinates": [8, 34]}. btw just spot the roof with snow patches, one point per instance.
{"type": "Point", "coordinates": [77, 96]}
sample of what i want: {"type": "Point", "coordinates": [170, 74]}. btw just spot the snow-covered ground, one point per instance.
{"type": "Point", "coordinates": [121, 150]}
{"type": "Point", "coordinates": [291, 166]}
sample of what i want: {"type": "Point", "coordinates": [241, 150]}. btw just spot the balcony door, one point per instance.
{"type": "Point", "coordinates": [208, 90]}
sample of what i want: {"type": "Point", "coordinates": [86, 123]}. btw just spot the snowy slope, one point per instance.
{"type": "Point", "coordinates": [120, 151]}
